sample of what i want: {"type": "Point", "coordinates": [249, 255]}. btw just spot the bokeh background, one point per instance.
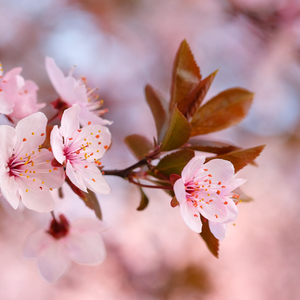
{"type": "Point", "coordinates": [120, 46]}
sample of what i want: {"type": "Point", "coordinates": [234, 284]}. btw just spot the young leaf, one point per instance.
{"type": "Point", "coordinates": [144, 200]}
{"type": "Point", "coordinates": [198, 94]}
{"type": "Point", "coordinates": [178, 132]}
{"type": "Point", "coordinates": [174, 202]}
{"type": "Point", "coordinates": [211, 242]}
{"type": "Point", "coordinates": [89, 199]}
{"type": "Point", "coordinates": [186, 76]}
{"type": "Point", "coordinates": [138, 144]}
{"type": "Point", "coordinates": [159, 108]}
{"type": "Point", "coordinates": [210, 146]}
{"type": "Point", "coordinates": [224, 110]}
{"type": "Point", "coordinates": [93, 203]}
{"type": "Point", "coordinates": [240, 158]}
{"type": "Point", "coordinates": [175, 162]}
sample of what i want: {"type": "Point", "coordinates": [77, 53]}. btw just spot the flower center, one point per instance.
{"type": "Point", "coordinates": [59, 229]}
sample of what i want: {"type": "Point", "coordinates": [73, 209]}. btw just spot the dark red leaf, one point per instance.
{"type": "Point", "coordinates": [241, 158]}
{"type": "Point", "coordinates": [186, 76]}
{"type": "Point", "coordinates": [224, 110]}
{"type": "Point", "coordinates": [210, 240]}
{"type": "Point", "coordinates": [178, 132]}
{"type": "Point", "coordinates": [198, 94]}
{"type": "Point", "coordinates": [159, 108]}
{"type": "Point", "coordinates": [138, 144]}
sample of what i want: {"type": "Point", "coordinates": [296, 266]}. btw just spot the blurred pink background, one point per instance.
{"type": "Point", "coordinates": [120, 46]}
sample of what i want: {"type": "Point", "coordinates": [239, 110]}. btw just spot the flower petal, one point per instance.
{"type": "Point", "coordinates": [75, 176]}
{"type": "Point", "coordinates": [192, 167]}
{"type": "Point", "coordinates": [10, 190]}
{"type": "Point", "coordinates": [42, 167]}
{"type": "Point", "coordinates": [94, 179]}
{"type": "Point", "coordinates": [57, 145]}
{"type": "Point", "coordinates": [87, 116]}
{"type": "Point", "coordinates": [179, 190]}
{"type": "Point", "coordinates": [89, 225]}
{"type": "Point", "coordinates": [190, 216]}
{"type": "Point", "coordinates": [53, 261]}
{"type": "Point", "coordinates": [35, 195]}
{"type": "Point", "coordinates": [215, 210]}
{"type": "Point", "coordinates": [87, 248]}
{"type": "Point", "coordinates": [218, 229]}
{"type": "Point", "coordinates": [74, 91]}
{"type": "Point", "coordinates": [30, 133]}
{"type": "Point", "coordinates": [55, 74]}
{"type": "Point", "coordinates": [98, 139]}
{"type": "Point", "coordinates": [6, 106]}
{"type": "Point", "coordinates": [35, 243]}
{"type": "Point", "coordinates": [69, 121]}
{"type": "Point", "coordinates": [8, 137]}
{"type": "Point", "coordinates": [220, 169]}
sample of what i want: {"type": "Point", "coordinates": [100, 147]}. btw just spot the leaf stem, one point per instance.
{"type": "Point", "coordinates": [150, 186]}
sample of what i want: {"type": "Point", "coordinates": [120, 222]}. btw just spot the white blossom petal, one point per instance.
{"type": "Point", "coordinates": [94, 180]}
{"type": "Point", "coordinates": [220, 169]}
{"type": "Point", "coordinates": [53, 261]}
{"type": "Point", "coordinates": [179, 190]}
{"type": "Point", "coordinates": [57, 145]}
{"type": "Point", "coordinates": [8, 137]}
{"type": "Point", "coordinates": [10, 190]}
{"type": "Point", "coordinates": [191, 216]}
{"type": "Point", "coordinates": [218, 229]}
{"type": "Point", "coordinates": [75, 176]}
{"type": "Point", "coordinates": [69, 121]}
{"type": "Point", "coordinates": [73, 91]}
{"type": "Point", "coordinates": [192, 167]}
{"type": "Point", "coordinates": [55, 74]}
{"type": "Point", "coordinates": [87, 116]}
{"type": "Point", "coordinates": [30, 133]}
{"type": "Point", "coordinates": [215, 210]}
{"type": "Point", "coordinates": [35, 195]}
{"type": "Point", "coordinates": [86, 248]}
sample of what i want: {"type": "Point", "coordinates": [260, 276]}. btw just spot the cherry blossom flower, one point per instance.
{"type": "Point", "coordinates": [55, 248]}
{"type": "Point", "coordinates": [80, 150]}
{"type": "Point", "coordinates": [26, 172]}
{"type": "Point", "coordinates": [18, 97]}
{"type": "Point", "coordinates": [72, 91]}
{"type": "Point", "coordinates": [206, 189]}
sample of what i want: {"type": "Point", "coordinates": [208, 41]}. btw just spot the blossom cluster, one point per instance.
{"type": "Point", "coordinates": [37, 158]}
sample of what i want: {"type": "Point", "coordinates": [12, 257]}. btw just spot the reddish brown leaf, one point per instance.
{"type": "Point", "coordinates": [210, 146]}
{"type": "Point", "coordinates": [174, 178]}
{"type": "Point", "coordinates": [241, 158]}
{"type": "Point", "coordinates": [144, 200]}
{"type": "Point", "coordinates": [159, 108]}
{"type": "Point", "coordinates": [178, 133]}
{"type": "Point", "coordinates": [186, 76]}
{"type": "Point", "coordinates": [210, 240]}
{"type": "Point", "coordinates": [138, 144]}
{"type": "Point", "coordinates": [89, 198]}
{"type": "Point", "coordinates": [198, 94]}
{"type": "Point", "coordinates": [93, 203]}
{"type": "Point", "coordinates": [174, 202]}
{"type": "Point", "coordinates": [224, 110]}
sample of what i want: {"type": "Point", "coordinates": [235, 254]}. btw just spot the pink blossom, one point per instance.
{"type": "Point", "coordinates": [80, 150]}
{"type": "Point", "coordinates": [72, 91]}
{"type": "Point", "coordinates": [18, 97]}
{"type": "Point", "coordinates": [55, 248]}
{"type": "Point", "coordinates": [206, 189]}
{"type": "Point", "coordinates": [25, 170]}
